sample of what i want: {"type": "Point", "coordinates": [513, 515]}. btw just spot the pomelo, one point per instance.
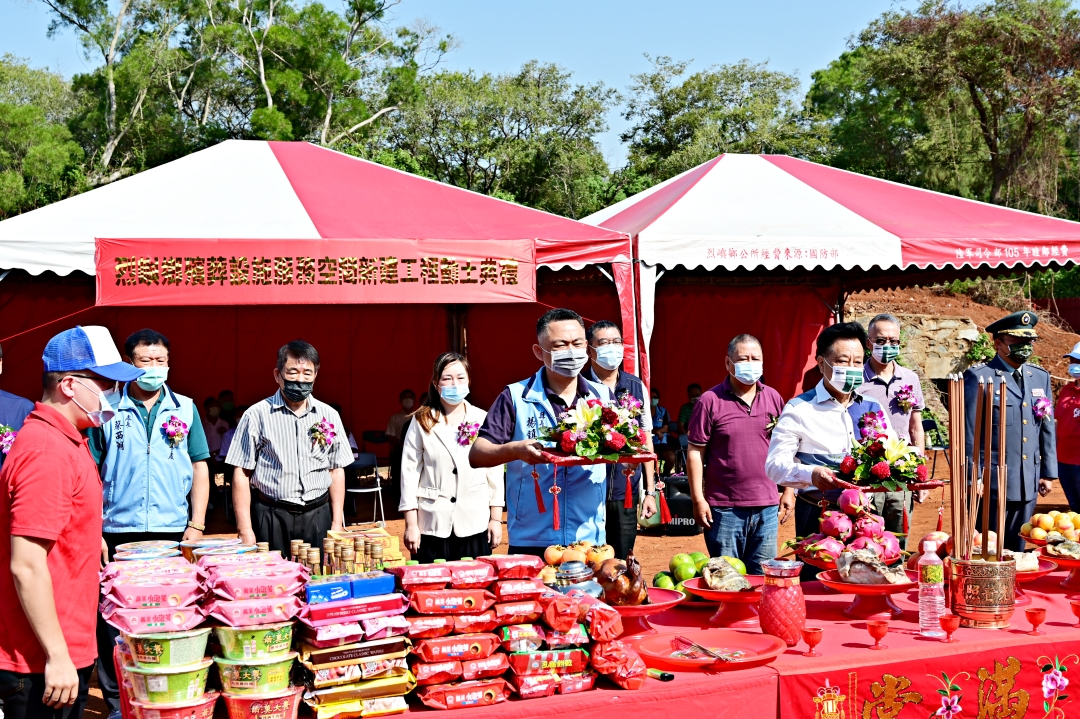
{"type": "Point", "coordinates": [681, 558]}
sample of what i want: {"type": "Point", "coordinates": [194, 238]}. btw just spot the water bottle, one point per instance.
{"type": "Point", "coordinates": [931, 591]}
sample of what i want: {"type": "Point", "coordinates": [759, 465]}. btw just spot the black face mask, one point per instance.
{"type": "Point", "coordinates": [296, 391]}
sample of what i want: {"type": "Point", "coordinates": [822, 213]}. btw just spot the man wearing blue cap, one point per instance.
{"type": "Point", "coordinates": [50, 531]}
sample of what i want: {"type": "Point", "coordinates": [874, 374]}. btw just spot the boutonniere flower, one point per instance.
{"type": "Point", "coordinates": [175, 429]}
{"type": "Point", "coordinates": [7, 438]}
{"type": "Point", "coordinates": [322, 433]}
{"type": "Point", "coordinates": [466, 432]}
{"type": "Point", "coordinates": [770, 425]}
{"type": "Point", "coordinates": [905, 398]}
{"type": "Point", "coordinates": [1042, 408]}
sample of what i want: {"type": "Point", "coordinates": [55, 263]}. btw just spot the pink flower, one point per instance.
{"type": "Point", "coordinates": [1053, 683]}
{"type": "Point", "coordinates": [950, 707]}
{"type": "Point", "coordinates": [1042, 408]}
{"type": "Point", "coordinates": [881, 470]}
{"type": "Point", "coordinates": [7, 438]}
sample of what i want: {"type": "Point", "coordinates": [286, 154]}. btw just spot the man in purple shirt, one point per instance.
{"type": "Point", "coordinates": [898, 390]}
{"type": "Point", "coordinates": [734, 500]}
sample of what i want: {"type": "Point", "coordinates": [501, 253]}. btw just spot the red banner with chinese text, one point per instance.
{"type": "Point", "coordinates": [162, 272]}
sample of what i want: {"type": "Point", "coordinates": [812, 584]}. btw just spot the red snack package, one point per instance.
{"type": "Point", "coordinates": [534, 686]}
{"type": "Point", "coordinates": [518, 612]}
{"type": "Point", "coordinates": [602, 621]}
{"type": "Point", "coordinates": [574, 683]}
{"type": "Point", "coordinates": [515, 566]}
{"type": "Point", "coordinates": [482, 693]}
{"type": "Point", "coordinates": [492, 666]}
{"type": "Point", "coordinates": [576, 637]}
{"type": "Point", "coordinates": [469, 646]}
{"type": "Point", "coordinates": [476, 623]}
{"type": "Point", "coordinates": [421, 576]}
{"type": "Point", "coordinates": [430, 627]}
{"type": "Point", "coordinates": [451, 601]}
{"type": "Point", "coordinates": [522, 637]}
{"type": "Point", "coordinates": [436, 672]}
{"type": "Point", "coordinates": [567, 661]}
{"type": "Point", "coordinates": [515, 590]}
{"type": "Point", "coordinates": [619, 663]}
{"type": "Point", "coordinates": [560, 611]}
{"type": "Point", "coordinates": [470, 574]}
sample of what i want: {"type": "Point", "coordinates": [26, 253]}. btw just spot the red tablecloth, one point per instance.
{"type": "Point", "coordinates": [999, 672]}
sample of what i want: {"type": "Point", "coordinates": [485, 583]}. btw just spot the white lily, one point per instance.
{"type": "Point", "coordinates": [582, 415]}
{"type": "Point", "coordinates": [896, 448]}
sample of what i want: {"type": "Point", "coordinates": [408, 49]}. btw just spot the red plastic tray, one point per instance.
{"type": "Point", "coordinates": [933, 484]}
{"type": "Point", "coordinates": [757, 649]}
{"type": "Point", "coordinates": [737, 609]}
{"type": "Point", "coordinates": [1072, 581]}
{"type": "Point", "coordinates": [1045, 567]}
{"type": "Point", "coordinates": [871, 601]}
{"type": "Point", "coordinates": [564, 459]}
{"type": "Point", "coordinates": [635, 618]}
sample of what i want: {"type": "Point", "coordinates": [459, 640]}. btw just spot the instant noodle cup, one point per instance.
{"type": "Point", "coordinates": [483, 692]}
{"type": "Point", "coordinates": [438, 625]}
{"type": "Point", "coordinates": [145, 554]}
{"type": "Point", "coordinates": [147, 545]}
{"type": "Point", "coordinates": [255, 676]}
{"type": "Point", "coordinates": [515, 566]}
{"type": "Point", "coordinates": [255, 642]}
{"type": "Point", "coordinates": [171, 649]}
{"type": "Point", "coordinates": [485, 668]}
{"type": "Point", "coordinates": [201, 708]}
{"type": "Point", "coordinates": [476, 623]}
{"type": "Point", "coordinates": [468, 646]}
{"type": "Point", "coordinates": [451, 601]}
{"type": "Point", "coordinates": [188, 548]}
{"type": "Point", "coordinates": [436, 672]}
{"type": "Point", "coordinates": [169, 685]}
{"type": "Point", "coordinates": [280, 705]}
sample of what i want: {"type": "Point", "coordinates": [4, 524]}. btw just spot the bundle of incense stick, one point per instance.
{"type": "Point", "coordinates": [966, 482]}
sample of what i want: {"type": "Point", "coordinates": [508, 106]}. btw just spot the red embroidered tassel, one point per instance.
{"type": "Point", "coordinates": [539, 495]}
{"type": "Point", "coordinates": [905, 519]}
{"type": "Point", "coordinates": [555, 489]}
{"type": "Point", "coordinates": [628, 501]}
{"type": "Point", "coordinates": [665, 511]}
{"type": "Point", "coordinates": [555, 519]}
{"type": "Point", "coordinates": [941, 512]}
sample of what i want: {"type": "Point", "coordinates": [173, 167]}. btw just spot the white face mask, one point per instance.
{"type": "Point", "coordinates": [609, 356]}
{"type": "Point", "coordinates": [885, 353]}
{"type": "Point", "coordinates": [103, 414]}
{"type": "Point", "coordinates": [845, 380]}
{"type": "Point", "coordinates": [748, 372]}
{"type": "Point", "coordinates": [569, 362]}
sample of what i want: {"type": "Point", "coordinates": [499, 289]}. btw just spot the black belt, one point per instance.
{"type": "Point", "coordinates": [291, 506]}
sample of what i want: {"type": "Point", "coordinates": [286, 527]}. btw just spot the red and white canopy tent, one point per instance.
{"type": "Point", "coordinates": [769, 244]}
{"type": "Point", "coordinates": [278, 240]}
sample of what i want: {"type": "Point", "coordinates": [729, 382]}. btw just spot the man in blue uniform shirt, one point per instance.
{"type": "Point", "coordinates": [13, 408]}
{"type": "Point", "coordinates": [1030, 444]}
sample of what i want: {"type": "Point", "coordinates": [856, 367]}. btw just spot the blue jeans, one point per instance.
{"type": "Point", "coordinates": [747, 533]}
{"type": "Point", "coordinates": [1069, 476]}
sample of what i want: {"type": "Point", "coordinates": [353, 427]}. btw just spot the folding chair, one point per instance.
{"type": "Point", "coordinates": [365, 461]}
{"type": "Point", "coordinates": [942, 445]}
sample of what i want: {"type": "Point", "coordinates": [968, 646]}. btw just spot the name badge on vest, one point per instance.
{"type": "Point", "coordinates": [1037, 392]}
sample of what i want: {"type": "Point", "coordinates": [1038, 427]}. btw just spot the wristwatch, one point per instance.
{"type": "Point", "coordinates": [200, 527]}
{"type": "Point", "coordinates": [650, 493]}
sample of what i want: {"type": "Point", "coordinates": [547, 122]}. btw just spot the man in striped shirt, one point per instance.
{"type": "Point", "coordinates": [290, 451]}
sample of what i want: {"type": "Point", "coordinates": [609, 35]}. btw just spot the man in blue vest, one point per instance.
{"type": "Point", "coordinates": [510, 436]}
{"type": "Point", "coordinates": [13, 412]}
{"type": "Point", "coordinates": [152, 456]}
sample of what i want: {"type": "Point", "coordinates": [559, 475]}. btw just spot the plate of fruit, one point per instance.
{"type": "Point", "coordinates": [683, 567]}
{"type": "Point", "coordinates": [1049, 525]}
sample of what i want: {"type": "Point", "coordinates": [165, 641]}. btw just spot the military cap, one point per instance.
{"type": "Point", "coordinates": [1018, 324]}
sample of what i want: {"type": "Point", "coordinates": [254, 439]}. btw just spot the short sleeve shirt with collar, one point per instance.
{"type": "Point", "coordinates": [498, 427]}
{"type": "Point", "coordinates": [50, 490]}
{"type": "Point", "coordinates": [884, 393]}
{"type": "Point", "coordinates": [736, 441]}
{"type": "Point", "coordinates": [198, 450]}
{"type": "Point", "coordinates": [276, 443]}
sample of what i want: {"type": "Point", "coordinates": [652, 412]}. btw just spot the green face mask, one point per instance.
{"type": "Point", "coordinates": [885, 353]}
{"type": "Point", "coordinates": [1021, 352]}
{"type": "Point", "coordinates": [153, 378]}
{"type": "Point", "coordinates": [845, 379]}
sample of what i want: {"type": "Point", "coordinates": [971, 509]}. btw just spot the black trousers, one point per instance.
{"type": "Point", "coordinates": [621, 527]}
{"type": "Point", "coordinates": [278, 526]}
{"type": "Point", "coordinates": [107, 633]}
{"type": "Point", "coordinates": [452, 548]}
{"type": "Point", "coordinates": [22, 695]}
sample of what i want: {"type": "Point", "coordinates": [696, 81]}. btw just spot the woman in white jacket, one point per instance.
{"type": "Point", "coordinates": [451, 510]}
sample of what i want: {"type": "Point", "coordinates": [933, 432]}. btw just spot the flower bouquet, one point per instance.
{"type": "Point", "coordinates": [7, 438]}
{"type": "Point", "coordinates": [883, 462]}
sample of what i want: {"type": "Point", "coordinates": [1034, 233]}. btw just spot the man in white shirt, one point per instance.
{"type": "Point", "coordinates": [817, 428]}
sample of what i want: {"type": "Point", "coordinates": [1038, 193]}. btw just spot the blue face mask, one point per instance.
{"type": "Point", "coordinates": [748, 372]}
{"type": "Point", "coordinates": [454, 394]}
{"type": "Point", "coordinates": [609, 356]}
{"type": "Point", "coordinates": [1074, 370]}
{"type": "Point", "coordinates": [153, 378]}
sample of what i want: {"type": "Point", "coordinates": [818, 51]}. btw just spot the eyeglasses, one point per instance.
{"type": "Point", "coordinates": [881, 342]}
{"type": "Point", "coordinates": [604, 343]}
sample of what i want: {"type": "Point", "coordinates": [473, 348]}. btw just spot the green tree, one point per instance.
{"type": "Point", "coordinates": [678, 123]}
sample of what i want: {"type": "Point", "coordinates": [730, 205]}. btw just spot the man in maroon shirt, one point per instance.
{"type": "Point", "coordinates": [50, 532]}
{"type": "Point", "coordinates": [734, 500]}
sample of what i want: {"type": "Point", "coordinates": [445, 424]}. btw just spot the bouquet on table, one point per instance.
{"type": "Point", "coordinates": [882, 460]}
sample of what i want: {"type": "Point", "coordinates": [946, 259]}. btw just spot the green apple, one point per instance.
{"type": "Point", "coordinates": [678, 559]}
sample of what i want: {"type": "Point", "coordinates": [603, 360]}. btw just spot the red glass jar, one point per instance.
{"type": "Point", "coordinates": [782, 607]}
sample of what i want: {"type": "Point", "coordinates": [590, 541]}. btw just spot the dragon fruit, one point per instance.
{"type": "Point", "coordinates": [890, 548]}
{"type": "Point", "coordinates": [824, 550]}
{"type": "Point", "coordinates": [869, 525]}
{"type": "Point", "coordinates": [836, 524]}
{"type": "Point", "coordinates": [854, 502]}
{"type": "Point", "coordinates": [865, 543]}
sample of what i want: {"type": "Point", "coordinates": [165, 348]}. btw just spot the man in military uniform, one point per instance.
{"type": "Point", "coordinates": [1030, 446]}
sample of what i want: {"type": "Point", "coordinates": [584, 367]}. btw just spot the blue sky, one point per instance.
{"type": "Point", "coordinates": [597, 40]}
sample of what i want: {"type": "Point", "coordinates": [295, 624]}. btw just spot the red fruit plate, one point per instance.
{"type": "Point", "coordinates": [737, 609]}
{"type": "Point", "coordinates": [1073, 580]}
{"type": "Point", "coordinates": [872, 601]}
{"type": "Point", "coordinates": [661, 651]}
{"type": "Point", "coordinates": [1045, 567]}
{"type": "Point", "coordinates": [565, 459]}
{"type": "Point", "coordinates": [635, 618]}
{"type": "Point", "coordinates": [819, 563]}
{"type": "Point", "coordinates": [1035, 542]}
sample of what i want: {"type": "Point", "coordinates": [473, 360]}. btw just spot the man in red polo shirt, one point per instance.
{"type": "Point", "coordinates": [50, 532]}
